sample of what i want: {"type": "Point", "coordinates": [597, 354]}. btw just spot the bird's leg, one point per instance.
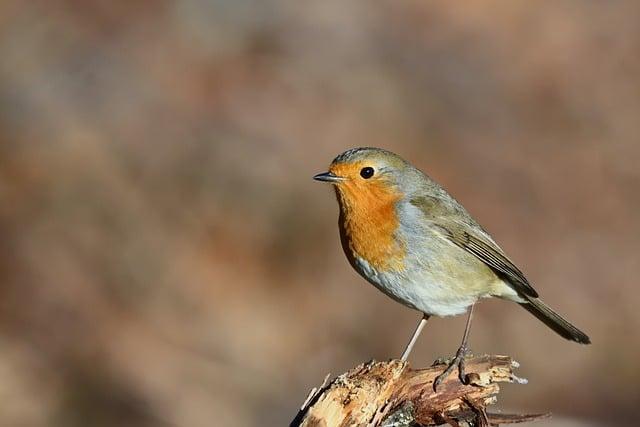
{"type": "Point", "coordinates": [458, 361]}
{"type": "Point", "coordinates": [414, 338]}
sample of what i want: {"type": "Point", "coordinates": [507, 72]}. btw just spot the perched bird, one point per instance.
{"type": "Point", "coordinates": [407, 236]}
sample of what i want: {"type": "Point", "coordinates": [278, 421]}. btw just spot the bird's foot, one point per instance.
{"type": "Point", "coordinates": [457, 362]}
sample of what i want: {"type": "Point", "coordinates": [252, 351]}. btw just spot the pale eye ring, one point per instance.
{"type": "Point", "coordinates": [367, 172]}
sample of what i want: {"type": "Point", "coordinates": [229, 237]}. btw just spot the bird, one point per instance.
{"type": "Point", "coordinates": [403, 233]}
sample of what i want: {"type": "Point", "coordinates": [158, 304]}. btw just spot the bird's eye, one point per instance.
{"type": "Point", "coordinates": [367, 172]}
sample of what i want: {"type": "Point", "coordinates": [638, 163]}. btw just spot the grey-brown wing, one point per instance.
{"type": "Point", "coordinates": [460, 231]}
{"type": "Point", "coordinates": [494, 258]}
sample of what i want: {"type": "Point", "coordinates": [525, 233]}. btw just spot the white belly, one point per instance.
{"type": "Point", "coordinates": [421, 289]}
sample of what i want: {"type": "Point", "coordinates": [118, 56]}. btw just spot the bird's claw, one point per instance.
{"type": "Point", "coordinates": [457, 362]}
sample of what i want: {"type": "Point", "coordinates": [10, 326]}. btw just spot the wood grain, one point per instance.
{"type": "Point", "coordinates": [386, 394]}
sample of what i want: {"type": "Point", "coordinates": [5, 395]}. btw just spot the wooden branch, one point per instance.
{"type": "Point", "coordinates": [391, 394]}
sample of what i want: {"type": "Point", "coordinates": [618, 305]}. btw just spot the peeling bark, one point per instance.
{"type": "Point", "coordinates": [391, 394]}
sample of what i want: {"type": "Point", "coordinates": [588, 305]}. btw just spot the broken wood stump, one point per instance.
{"type": "Point", "coordinates": [391, 394]}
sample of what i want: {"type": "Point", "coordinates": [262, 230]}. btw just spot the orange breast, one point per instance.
{"type": "Point", "coordinates": [368, 224]}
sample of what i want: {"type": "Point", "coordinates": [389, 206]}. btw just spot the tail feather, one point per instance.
{"type": "Point", "coordinates": [556, 322]}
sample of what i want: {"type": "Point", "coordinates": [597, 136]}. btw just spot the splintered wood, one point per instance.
{"type": "Point", "coordinates": [390, 394]}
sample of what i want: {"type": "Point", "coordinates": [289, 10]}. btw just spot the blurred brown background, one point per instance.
{"type": "Point", "coordinates": [166, 259]}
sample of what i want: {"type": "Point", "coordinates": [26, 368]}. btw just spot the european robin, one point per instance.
{"type": "Point", "coordinates": [408, 237]}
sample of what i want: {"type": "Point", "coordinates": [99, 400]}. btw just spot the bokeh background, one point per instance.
{"type": "Point", "coordinates": [166, 259]}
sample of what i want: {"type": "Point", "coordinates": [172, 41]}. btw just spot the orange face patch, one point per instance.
{"type": "Point", "coordinates": [368, 219]}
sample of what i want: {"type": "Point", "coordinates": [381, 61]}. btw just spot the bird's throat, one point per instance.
{"type": "Point", "coordinates": [368, 226]}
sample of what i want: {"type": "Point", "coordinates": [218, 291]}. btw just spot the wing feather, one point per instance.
{"type": "Point", "coordinates": [469, 236]}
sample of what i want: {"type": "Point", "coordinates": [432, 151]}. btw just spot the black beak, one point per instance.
{"type": "Point", "coordinates": [328, 177]}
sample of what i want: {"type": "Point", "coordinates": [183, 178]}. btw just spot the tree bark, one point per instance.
{"type": "Point", "coordinates": [391, 394]}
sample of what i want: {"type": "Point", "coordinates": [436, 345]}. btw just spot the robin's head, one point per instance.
{"type": "Point", "coordinates": [367, 179]}
{"type": "Point", "coordinates": [366, 175]}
